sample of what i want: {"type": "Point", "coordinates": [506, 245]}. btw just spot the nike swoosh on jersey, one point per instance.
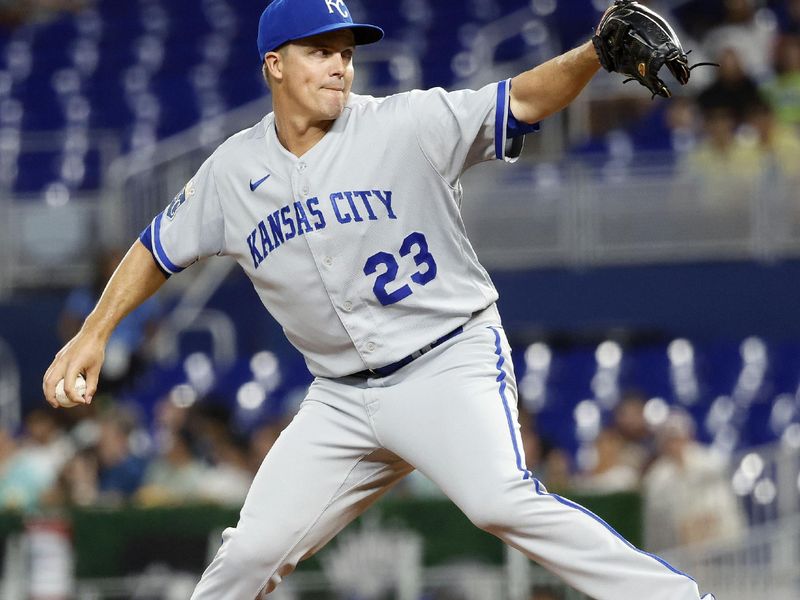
{"type": "Point", "coordinates": [254, 185]}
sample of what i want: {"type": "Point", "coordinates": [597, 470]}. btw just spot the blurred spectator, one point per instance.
{"type": "Point", "coordinates": [687, 491]}
{"type": "Point", "coordinates": [8, 451]}
{"type": "Point", "coordinates": [261, 440]}
{"type": "Point", "coordinates": [168, 419]}
{"type": "Point", "coordinates": [609, 473]}
{"type": "Point", "coordinates": [699, 16]}
{"type": "Point", "coordinates": [76, 484]}
{"type": "Point", "coordinates": [8, 447]}
{"type": "Point", "coordinates": [15, 12]}
{"type": "Point", "coordinates": [733, 89]}
{"type": "Point", "coordinates": [788, 13]}
{"type": "Point", "coordinates": [120, 472]}
{"type": "Point", "coordinates": [549, 464]}
{"type": "Point", "coordinates": [725, 167]}
{"type": "Point", "coordinates": [228, 480]}
{"type": "Point", "coordinates": [673, 127]}
{"type": "Point", "coordinates": [35, 464]}
{"type": "Point", "coordinates": [637, 439]}
{"type": "Point", "coordinates": [778, 146]}
{"type": "Point", "coordinates": [210, 423]}
{"type": "Point", "coordinates": [749, 33]}
{"type": "Point", "coordinates": [546, 592]}
{"type": "Point", "coordinates": [682, 122]}
{"type": "Point", "coordinates": [175, 476]}
{"type": "Point", "coordinates": [125, 353]}
{"type": "Point", "coordinates": [531, 442]}
{"type": "Point", "coordinates": [555, 471]}
{"type": "Point", "coordinates": [783, 91]}
{"type": "Point", "coordinates": [665, 133]}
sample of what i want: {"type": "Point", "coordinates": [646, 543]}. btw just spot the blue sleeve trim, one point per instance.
{"type": "Point", "coordinates": [159, 253]}
{"type": "Point", "coordinates": [500, 120]}
{"type": "Point", "coordinates": [146, 238]}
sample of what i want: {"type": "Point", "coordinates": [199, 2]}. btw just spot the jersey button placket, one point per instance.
{"type": "Point", "coordinates": [371, 346]}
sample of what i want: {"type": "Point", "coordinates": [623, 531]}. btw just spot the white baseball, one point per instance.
{"type": "Point", "coordinates": [61, 396]}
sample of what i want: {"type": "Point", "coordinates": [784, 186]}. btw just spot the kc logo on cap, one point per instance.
{"type": "Point", "coordinates": [338, 5]}
{"type": "Point", "coordinates": [284, 21]}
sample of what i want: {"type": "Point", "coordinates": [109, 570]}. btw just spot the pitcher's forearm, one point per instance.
{"type": "Point", "coordinates": [136, 279]}
{"type": "Point", "coordinates": [551, 86]}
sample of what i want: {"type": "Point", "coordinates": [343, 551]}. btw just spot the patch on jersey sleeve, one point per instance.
{"type": "Point", "coordinates": [186, 192]}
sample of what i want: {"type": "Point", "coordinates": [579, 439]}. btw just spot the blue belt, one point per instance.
{"type": "Point", "coordinates": [396, 366]}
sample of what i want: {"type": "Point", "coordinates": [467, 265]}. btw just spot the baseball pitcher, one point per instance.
{"type": "Point", "coordinates": [344, 211]}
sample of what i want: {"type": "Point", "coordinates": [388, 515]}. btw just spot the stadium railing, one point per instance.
{"type": "Point", "coordinates": [574, 212]}
{"type": "Point", "coordinates": [10, 411]}
{"type": "Point", "coordinates": [767, 478]}
{"type": "Point", "coordinates": [763, 565]}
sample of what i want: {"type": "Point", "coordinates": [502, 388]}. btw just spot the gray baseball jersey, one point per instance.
{"type": "Point", "coordinates": [357, 248]}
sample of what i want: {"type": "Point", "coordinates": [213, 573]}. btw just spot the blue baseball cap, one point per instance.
{"type": "Point", "coordinates": [287, 20]}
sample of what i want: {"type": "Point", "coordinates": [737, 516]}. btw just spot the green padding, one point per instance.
{"type": "Point", "coordinates": [448, 534]}
{"type": "Point", "coordinates": [621, 511]}
{"type": "Point", "coordinates": [113, 543]}
{"type": "Point", "coordinates": [10, 522]}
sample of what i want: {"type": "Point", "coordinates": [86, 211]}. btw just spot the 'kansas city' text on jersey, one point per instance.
{"type": "Point", "coordinates": [362, 263]}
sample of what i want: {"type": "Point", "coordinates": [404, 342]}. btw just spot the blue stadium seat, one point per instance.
{"type": "Point", "coordinates": [112, 32]}
{"type": "Point", "coordinates": [575, 21]}
{"type": "Point", "coordinates": [93, 164]}
{"type": "Point", "coordinates": [109, 107]}
{"type": "Point", "coordinates": [36, 170]}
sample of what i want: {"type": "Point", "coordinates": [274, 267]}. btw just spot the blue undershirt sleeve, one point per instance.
{"type": "Point", "coordinates": [515, 128]}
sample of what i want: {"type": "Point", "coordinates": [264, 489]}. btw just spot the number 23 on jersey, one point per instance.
{"type": "Point", "coordinates": [414, 243]}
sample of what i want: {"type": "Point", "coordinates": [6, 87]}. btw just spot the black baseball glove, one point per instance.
{"type": "Point", "coordinates": [633, 40]}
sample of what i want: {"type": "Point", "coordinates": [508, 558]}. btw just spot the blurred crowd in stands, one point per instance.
{"type": "Point", "coordinates": [744, 120]}
{"type": "Point", "coordinates": [685, 485]}
{"type": "Point", "coordinates": [107, 455]}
